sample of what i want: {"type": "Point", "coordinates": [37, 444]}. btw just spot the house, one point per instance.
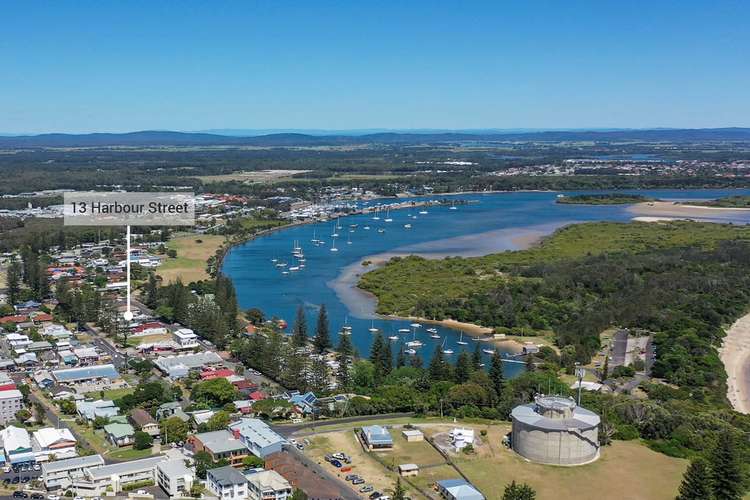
{"type": "Point", "coordinates": [216, 373]}
{"type": "Point", "coordinates": [151, 328]}
{"type": "Point", "coordinates": [144, 421]}
{"type": "Point", "coordinates": [201, 417]}
{"type": "Point", "coordinates": [56, 332]}
{"type": "Point", "coordinates": [60, 474]}
{"type": "Point", "coordinates": [11, 402]}
{"type": "Point", "coordinates": [67, 357]}
{"type": "Point", "coordinates": [54, 444]}
{"type": "Point", "coordinates": [305, 402]}
{"type": "Point", "coordinates": [227, 482]}
{"type": "Point", "coordinates": [43, 379]}
{"type": "Point", "coordinates": [412, 435]}
{"type": "Point", "coordinates": [86, 354]}
{"type": "Point", "coordinates": [89, 410]}
{"type": "Point", "coordinates": [175, 478]}
{"type": "Point", "coordinates": [376, 438]}
{"type": "Point", "coordinates": [120, 434]}
{"type": "Point", "coordinates": [458, 489]}
{"type": "Point", "coordinates": [39, 346]}
{"type": "Point", "coordinates": [268, 485]}
{"type": "Point", "coordinates": [16, 443]}
{"type": "Point", "coordinates": [172, 409]}
{"type": "Point", "coordinates": [16, 340]}
{"type": "Point", "coordinates": [407, 470]}
{"type": "Point", "coordinates": [185, 338]}
{"type": "Point", "coordinates": [257, 436]}
{"type": "Point", "coordinates": [219, 444]}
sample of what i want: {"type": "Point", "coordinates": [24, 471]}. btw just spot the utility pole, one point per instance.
{"type": "Point", "coordinates": [580, 373]}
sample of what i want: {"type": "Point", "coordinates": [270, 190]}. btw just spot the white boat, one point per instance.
{"type": "Point", "coordinates": [461, 340]}
{"type": "Point", "coordinates": [416, 325]}
{"type": "Point", "coordinates": [349, 239]}
{"type": "Point", "coordinates": [274, 260]}
{"type": "Point", "coordinates": [432, 330]}
{"type": "Point", "coordinates": [488, 351]}
{"type": "Point", "coordinates": [434, 336]}
{"type": "Point", "coordinates": [333, 247]}
{"type": "Point", "coordinates": [410, 351]}
{"type": "Point", "coordinates": [403, 330]}
{"type": "Point", "coordinates": [281, 264]}
{"type": "Point", "coordinates": [407, 226]}
{"type": "Point", "coordinates": [345, 332]}
{"type": "Point", "coordinates": [294, 268]}
{"type": "Point", "coordinates": [381, 230]}
{"type": "Point", "coordinates": [453, 206]}
{"type": "Point", "coordinates": [366, 228]}
{"type": "Point", "coordinates": [393, 337]}
{"type": "Point", "coordinates": [301, 266]}
{"type": "Point", "coordinates": [372, 328]}
{"type": "Point", "coordinates": [423, 212]}
{"type": "Point", "coordinates": [414, 343]}
{"type": "Point", "coordinates": [284, 272]}
{"type": "Point", "coordinates": [446, 351]}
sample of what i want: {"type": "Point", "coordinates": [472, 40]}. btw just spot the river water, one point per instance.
{"type": "Point", "coordinates": [488, 223]}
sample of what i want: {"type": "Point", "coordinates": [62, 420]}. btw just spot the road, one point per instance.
{"type": "Point", "coordinates": [288, 430]}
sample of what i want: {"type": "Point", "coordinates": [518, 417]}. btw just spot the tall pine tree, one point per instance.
{"type": "Point", "coordinates": [299, 330]}
{"type": "Point", "coordinates": [725, 467]}
{"type": "Point", "coordinates": [476, 358]}
{"type": "Point", "coordinates": [345, 353]}
{"type": "Point", "coordinates": [438, 368]}
{"type": "Point", "coordinates": [496, 373]}
{"type": "Point", "coordinates": [322, 338]}
{"type": "Point", "coordinates": [13, 281]}
{"type": "Point", "coordinates": [696, 483]}
{"type": "Point", "coordinates": [463, 368]}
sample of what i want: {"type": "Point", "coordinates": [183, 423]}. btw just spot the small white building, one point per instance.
{"type": "Point", "coordinates": [185, 338]}
{"type": "Point", "coordinates": [460, 438]}
{"type": "Point", "coordinates": [60, 474]}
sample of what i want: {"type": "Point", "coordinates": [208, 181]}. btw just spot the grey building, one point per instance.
{"type": "Point", "coordinates": [227, 482]}
{"type": "Point", "coordinates": [554, 430]}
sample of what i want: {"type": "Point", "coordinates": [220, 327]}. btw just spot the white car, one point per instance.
{"type": "Point", "coordinates": [53, 497]}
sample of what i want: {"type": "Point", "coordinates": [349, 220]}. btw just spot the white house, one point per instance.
{"type": "Point", "coordinates": [185, 338]}
{"type": "Point", "coordinates": [268, 485]}
{"type": "Point", "coordinates": [54, 444]}
{"type": "Point", "coordinates": [227, 482]}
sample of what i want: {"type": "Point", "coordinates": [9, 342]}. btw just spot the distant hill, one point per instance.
{"type": "Point", "coordinates": [169, 138]}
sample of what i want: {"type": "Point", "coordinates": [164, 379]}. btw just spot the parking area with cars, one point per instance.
{"type": "Point", "coordinates": [343, 463]}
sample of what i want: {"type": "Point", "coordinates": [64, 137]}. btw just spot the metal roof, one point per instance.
{"type": "Point", "coordinates": [72, 463]}
{"type": "Point", "coordinates": [227, 476]}
{"type": "Point", "coordinates": [220, 441]}
{"type": "Point", "coordinates": [124, 467]}
{"type": "Point", "coordinates": [581, 418]}
{"type": "Point", "coordinates": [377, 434]}
{"type": "Point", "coordinates": [257, 432]}
{"type": "Point", "coordinates": [86, 372]}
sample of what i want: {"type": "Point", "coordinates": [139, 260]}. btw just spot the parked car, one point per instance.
{"type": "Point", "coordinates": [339, 456]}
{"type": "Point", "coordinates": [20, 494]}
{"type": "Point", "coordinates": [328, 458]}
{"type": "Point", "coordinates": [336, 463]}
{"type": "Point", "coordinates": [37, 467]}
{"type": "Point", "coordinates": [349, 477]}
{"type": "Point", "coordinates": [366, 489]}
{"type": "Point", "coordinates": [15, 480]}
{"type": "Point", "coordinates": [37, 496]}
{"type": "Point", "coordinates": [53, 497]}
{"type": "Point", "coordinates": [358, 480]}
{"type": "Point", "coordinates": [299, 446]}
{"type": "Point", "coordinates": [25, 479]}
{"type": "Point", "coordinates": [374, 495]}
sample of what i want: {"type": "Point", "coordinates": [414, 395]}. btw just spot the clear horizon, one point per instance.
{"type": "Point", "coordinates": [106, 66]}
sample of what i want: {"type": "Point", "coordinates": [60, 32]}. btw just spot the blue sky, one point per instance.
{"type": "Point", "coordinates": [77, 66]}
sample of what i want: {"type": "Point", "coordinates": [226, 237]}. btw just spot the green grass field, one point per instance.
{"type": "Point", "coordinates": [129, 454]}
{"type": "Point", "coordinates": [112, 394]}
{"type": "Point", "coordinates": [190, 264]}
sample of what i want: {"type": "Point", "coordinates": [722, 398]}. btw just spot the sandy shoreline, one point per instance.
{"type": "Point", "coordinates": [665, 209]}
{"type": "Point", "coordinates": [735, 354]}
